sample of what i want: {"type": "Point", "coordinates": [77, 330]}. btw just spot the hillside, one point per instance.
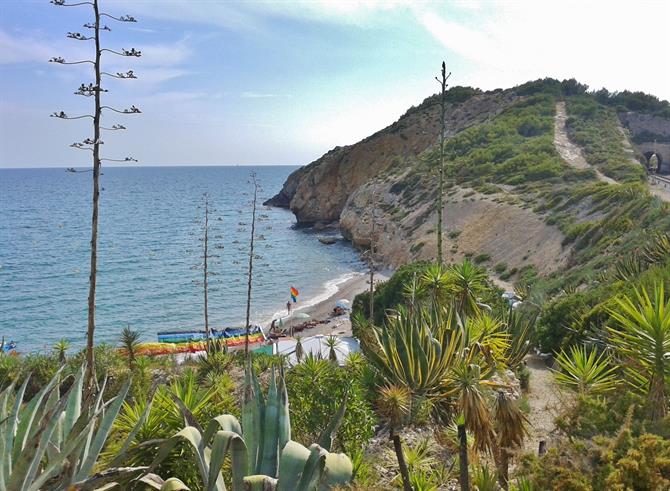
{"type": "Point", "coordinates": [515, 201]}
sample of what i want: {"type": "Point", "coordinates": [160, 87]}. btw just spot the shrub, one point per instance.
{"type": "Point", "coordinates": [481, 258]}
{"type": "Point", "coordinates": [316, 389]}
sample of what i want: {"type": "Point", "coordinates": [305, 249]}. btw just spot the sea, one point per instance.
{"type": "Point", "coordinates": [150, 252]}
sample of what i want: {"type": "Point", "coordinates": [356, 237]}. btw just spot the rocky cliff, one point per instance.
{"type": "Point", "coordinates": [319, 191]}
{"type": "Point", "coordinates": [511, 202]}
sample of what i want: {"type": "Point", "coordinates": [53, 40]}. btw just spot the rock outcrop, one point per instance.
{"type": "Point", "coordinates": [319, 191]}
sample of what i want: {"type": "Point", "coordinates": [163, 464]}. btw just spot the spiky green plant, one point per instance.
{"type": "Point", "coordinates": [263, 457]}
{"type": "Point", "coordinates": [416, 350]}
{"type": "Point", "coordinates": [332, 343]}
{"type": "Point", "coordinates": [60, 348]}
{"type": "Point", "coordinates": [468, 282]}
{"type": "Point", "coordinates": [484, 479]}
{"type": "Point", "coordinates": [53, 441]}
{"type": "Point", "coordinates": [394, 404]}
{"type": "Point", "coordinates": [585, 371]}
{"type": "Point", "coordinates": [640, 336]}
{"type": "Point", "coordinates": [130, 341]}
{"type": "Point", "coordinates": [657, 250]}
{"type": "Point", "coordinates": [435, 284]}
{"type": "Point", "coordinates": [511, 429]}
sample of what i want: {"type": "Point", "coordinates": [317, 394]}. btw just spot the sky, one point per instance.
{"type": "Point", "coordinates": [282, 82]}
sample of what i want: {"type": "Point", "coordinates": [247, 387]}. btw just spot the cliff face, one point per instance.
{"type": "Point", "coordinates": [511, 202]}
{"type": "Point", "coordinates": [319, 191]}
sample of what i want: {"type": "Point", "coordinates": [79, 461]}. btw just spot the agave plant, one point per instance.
{"type": "Point", "coordinates": [641, 338]}
{"type": "Point", "coordinates": [416, 350]}
{"type": "Point", "coordinates": [263, 457]}
{"type": "Point", "coordinates": [53, 441]}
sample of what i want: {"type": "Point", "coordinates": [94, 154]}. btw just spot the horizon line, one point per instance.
{"type": "Point", "coordinates": [149, 165]}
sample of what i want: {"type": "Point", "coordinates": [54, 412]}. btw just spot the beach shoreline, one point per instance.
{"type": "Point", "coordinates": [322, 310]}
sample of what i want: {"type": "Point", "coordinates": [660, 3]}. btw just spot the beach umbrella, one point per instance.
{"type": "Point", "coordinates": [344, 304]}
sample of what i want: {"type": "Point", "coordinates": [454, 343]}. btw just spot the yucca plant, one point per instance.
{"type": "Point", "coordinates": [394, 404]}
{"type": "Point", "coordinates": [53, 441]}
{"type": "Point", "coordinates": [435, 285]}
{"type": "Point", "coordinates": [585, 371]}
{"type": "Point", "coordinates": [484, 479]}
{"type": "Point", "coordinates": [468, 281]}
{"type": "Point", "coordinates": [60, 348]}
{"type": "Point", "coordinates": [657, 250]}
{"type": "Point", "coordinates": [511, 429]}
{"type": "Point", "coordinates": [130, 342]}
{"type": "Point", "coordinates": [640, 336]}
{"type": "Point", "coordinates": [332, 343]}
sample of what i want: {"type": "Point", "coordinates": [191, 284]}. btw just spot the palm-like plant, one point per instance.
{"type": "Point", "coordinates": [435, 284]}
{"type": "Point", "coordinates": [394, 405]}
{"type": "Point", "coordinates": [332, 343]}
{"type": "Point", "coordinates": [130, 341]}
{"type": "Point", "coordinates": [641, 338]}
{"type": "Point", "coordinates": [468, 281]}
{"type": "Point", "coordinates": [586, 372]}
{"type": "Point", "coordinates": [60, 348]}
{"type": "Point", "coordinates": [510, 425]}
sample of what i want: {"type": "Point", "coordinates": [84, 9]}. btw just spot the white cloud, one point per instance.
{"type": "Point", "coordinates": [620, 45]}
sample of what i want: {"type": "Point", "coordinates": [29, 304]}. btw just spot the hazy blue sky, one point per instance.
{"type": "Point", "coordinates": [283, 82]}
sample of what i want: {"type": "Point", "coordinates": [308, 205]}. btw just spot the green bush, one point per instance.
{"type": "Point", "coordinates": [316, 389]}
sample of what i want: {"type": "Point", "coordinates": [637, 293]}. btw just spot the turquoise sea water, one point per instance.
{"type": "Point", "coordinates": [148, 247]}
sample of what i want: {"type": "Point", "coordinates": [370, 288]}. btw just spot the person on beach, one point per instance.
{"type": "Point", "coordinates": [288, 307]}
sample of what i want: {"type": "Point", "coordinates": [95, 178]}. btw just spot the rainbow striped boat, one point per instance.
{"type": "Point", "coordinates": [231, 334]}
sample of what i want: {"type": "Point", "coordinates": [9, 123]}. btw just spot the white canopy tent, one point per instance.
{"type": "Point", "coordinates": [317, 345]}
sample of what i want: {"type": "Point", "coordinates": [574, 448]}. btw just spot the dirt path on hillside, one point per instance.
{"type": "Point", "coordinates": [568, 151]}
{"type": "Point", "coordinates": [546, 402]}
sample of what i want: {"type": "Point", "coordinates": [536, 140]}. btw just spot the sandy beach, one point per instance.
{"type": "Point", "coordinates": [323, 310]}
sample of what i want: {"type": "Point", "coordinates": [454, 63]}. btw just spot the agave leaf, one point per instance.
{"type": "Point", "coordinates": [102, 433]}
{"type": "Point", "coordinates": [27, 465]}
{"type": "Point", "coordinates": [338, 470]}
{"type": "Point", "coordinates": [174, 484]}
{"type": "Point", "coordinates": [293, 459]}
{"type": "Point", "coordinates": [192, 436]}
{"type": "Point", "coordinates": [11, 425]}
{"type": "Point", "coordinates": [284, 418]}
{"type": "Point", "coordinates": [259, 483]}
{"type": "Point", "coordinates": [313, 470]}
{"type": "Point", "coordinates": [28, 416]}
{"type": "Point", "coordinates": [328, 434]}
{"type": "Point", "coordinates": [59, 458]}
{"type": "Point", "coordinates": [225, 422]}
{"type": "Point", "coordinates": [73, 408]}
{"type": "Point", "coordinates": [189, 418]}
{"type": "Point", "coordinates": [270, 431]}
{"type": "Point", "coordinates": [115, 475]}
{"type": "Point", "coordinates": [223, 442]}
{"type": "Point", "coordinates": [4, 397]}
